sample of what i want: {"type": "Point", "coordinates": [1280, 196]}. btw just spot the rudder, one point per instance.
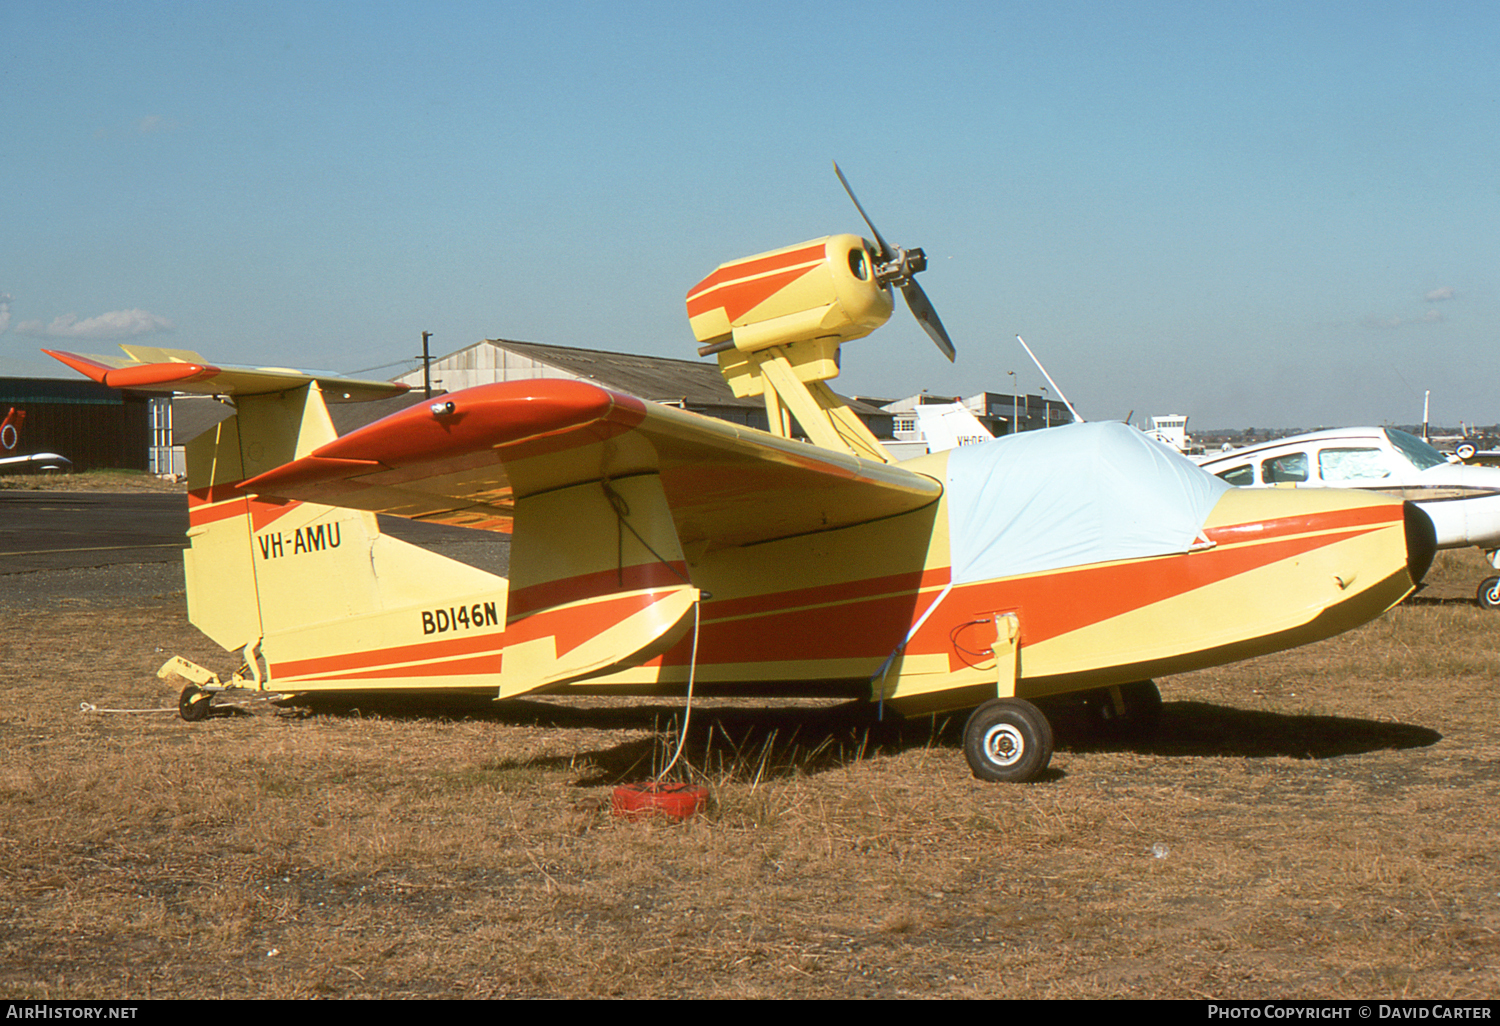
{"type": "Point", "coordinates": [296, 583]}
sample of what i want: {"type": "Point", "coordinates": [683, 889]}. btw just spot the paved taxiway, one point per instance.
{"type": "Point", "coordinates": [102, 547]}
{"type": "Point", "coordinates": [59, 530]}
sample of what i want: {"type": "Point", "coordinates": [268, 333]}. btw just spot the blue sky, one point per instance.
{"type": "Point", "coordinates": [1252, 213]}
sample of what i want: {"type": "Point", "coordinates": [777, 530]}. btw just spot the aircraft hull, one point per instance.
{"type": "Point", "coordinates": [821, 614]}
{"type": "Point", "coordinates": [1282, 569]}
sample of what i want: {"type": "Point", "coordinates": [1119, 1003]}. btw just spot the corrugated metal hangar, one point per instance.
{"type": "Point", "coordinates": [94, 426]}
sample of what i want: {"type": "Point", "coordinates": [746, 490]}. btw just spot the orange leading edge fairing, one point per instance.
{"type": "Point", "coordinates": [1081, 559]}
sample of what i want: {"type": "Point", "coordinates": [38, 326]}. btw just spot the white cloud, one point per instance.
{"type": "Point", "coordinates": [1430, 317]}
{"type": "Point", "coordinates": [4, 311]}
{"type": "Point", "coordinates": [116, 324]}
{"type": "Point", "coordinates": [151, 124]}
{"type": "Point", "coordinates": [1438, 295]}
{"type": "Point", "coordinates": [156, 123]}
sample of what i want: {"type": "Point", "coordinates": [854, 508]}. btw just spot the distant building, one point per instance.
{"type": "Point", "coordinates": [1171, 429]}
{"type": "Point", "coordinates": [1000, 414]}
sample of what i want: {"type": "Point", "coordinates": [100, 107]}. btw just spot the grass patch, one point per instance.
{"type": "Point", "coordinates": [104, 480]}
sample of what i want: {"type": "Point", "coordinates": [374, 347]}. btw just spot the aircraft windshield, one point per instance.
{"type": "Point", "coordinates": [1421, 455]}
{"type": "Point", "coordinates": [1071, 496]}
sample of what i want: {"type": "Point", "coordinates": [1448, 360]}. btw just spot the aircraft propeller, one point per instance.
{"type": "Point", "coordinates": [899, 267]}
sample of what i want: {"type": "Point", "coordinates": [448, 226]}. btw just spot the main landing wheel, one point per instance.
{"type": "Point", "coordinates": [1009, 740]}
{"type": "Point", "coordinates": [1489, 593]}
{"type": "Point", "coordinates": [194, 704]}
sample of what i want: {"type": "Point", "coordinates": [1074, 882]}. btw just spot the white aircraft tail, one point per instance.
{"type": "Point", "coordinates": [946, 426]}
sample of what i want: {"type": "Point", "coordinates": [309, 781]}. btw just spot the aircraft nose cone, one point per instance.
{"type": "Point", "coordinates": [1421, 542]}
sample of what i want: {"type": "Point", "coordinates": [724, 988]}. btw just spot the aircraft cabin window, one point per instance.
{"type": "Point", "coordinates": [1287, 469]}
{"type": "Point", "coordinates": [1338, 465]}
{"type": "Point", "coordinates": [1240, 477]}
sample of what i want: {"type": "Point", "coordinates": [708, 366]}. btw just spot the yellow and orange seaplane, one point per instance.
{"type": "Point", "coordinates": [655, 551]}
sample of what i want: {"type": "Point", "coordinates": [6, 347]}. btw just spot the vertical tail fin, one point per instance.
{"type": "Point", "coordinates": [10, 429]}
{"type": "Point", "coordinates": [316, 592]}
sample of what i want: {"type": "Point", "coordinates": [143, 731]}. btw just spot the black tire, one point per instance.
{"type": "Point", "coordinates": [1489, 593]}
{"type": "Point", "coordinates": [193, 708]}
{"type": "Point", "coordinates": [1008, 740]}
{"type": "Point", "coordinates": [1142, 715]}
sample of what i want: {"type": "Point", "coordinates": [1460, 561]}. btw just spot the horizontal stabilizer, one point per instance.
{"type": "Point", "coordinates": [153, 369]}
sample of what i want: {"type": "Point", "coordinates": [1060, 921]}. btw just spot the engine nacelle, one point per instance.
{"type": "Point", "coordinates": [823, 289]}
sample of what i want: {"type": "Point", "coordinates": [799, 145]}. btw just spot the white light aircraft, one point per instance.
{"type": "Point", "coordinates": [1463, 501]}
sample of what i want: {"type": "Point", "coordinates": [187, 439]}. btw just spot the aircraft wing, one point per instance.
{"type": "Point", "coordinates": [150, 368]}
{"type": "Point", "coordinates": [465, 458]}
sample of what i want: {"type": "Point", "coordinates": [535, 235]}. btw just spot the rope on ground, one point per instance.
{"type": "Point", "coordinates": [244, 702]}
{"type": "Point", "coordinates": [90, 707]}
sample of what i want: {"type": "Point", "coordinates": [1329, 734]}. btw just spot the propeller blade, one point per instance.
{"type": "Point", "coordinates": [921, 309]}
{"type": "Point", "coordinates": [898, 268]}
{"type": "Point", "coordinates": [886, 254]}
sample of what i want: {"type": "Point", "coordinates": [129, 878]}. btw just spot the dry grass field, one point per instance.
{"type": "Point", "coordinates": [90, 481]}
{"type": "Point", "coordinates": [1311, 824]}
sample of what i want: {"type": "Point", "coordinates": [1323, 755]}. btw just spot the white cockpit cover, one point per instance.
{"type": "Point", "coordinates": [1070, 496]}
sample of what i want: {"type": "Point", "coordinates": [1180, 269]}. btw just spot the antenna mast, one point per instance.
{"type": "Point", "coordinates": [1076, 418]}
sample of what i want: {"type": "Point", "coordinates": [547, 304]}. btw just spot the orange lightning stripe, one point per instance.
{"type": "Point", "coordinates": [744, 286]}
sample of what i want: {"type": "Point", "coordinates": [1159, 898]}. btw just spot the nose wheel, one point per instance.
{"type": "Point", "coordinates": [1008, 740]}
{"type": "Point", "coordinates": [194, 704]}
